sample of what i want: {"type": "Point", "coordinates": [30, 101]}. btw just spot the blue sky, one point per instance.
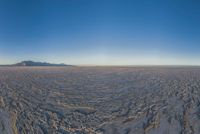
{"type": "Point", "coordinates": [101, 32]}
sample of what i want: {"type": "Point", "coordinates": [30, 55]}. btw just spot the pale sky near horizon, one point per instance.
{"type": "Point", "coordinates": [101, 32]}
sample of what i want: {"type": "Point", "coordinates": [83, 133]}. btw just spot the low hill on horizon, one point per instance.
{"type": "Point", "coordinates": [33, 63]}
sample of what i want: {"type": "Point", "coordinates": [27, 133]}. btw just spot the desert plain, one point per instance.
{"type": "Point", "coordinates": [100, 100]}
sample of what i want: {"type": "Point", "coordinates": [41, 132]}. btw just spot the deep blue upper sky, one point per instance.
{"type": "Point", "coordinates": [100, 31]}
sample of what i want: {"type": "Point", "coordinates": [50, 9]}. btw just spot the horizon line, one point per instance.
{"type": "Point", "coordinates": [110, 65]}
{"type": "Point", "coordinates": [127, 65]}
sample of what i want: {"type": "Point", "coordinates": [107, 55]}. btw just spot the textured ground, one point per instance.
{"type": "Point", "coordinates": [104, 100]}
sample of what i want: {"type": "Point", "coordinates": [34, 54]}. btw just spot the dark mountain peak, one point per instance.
{"type": "Point", "coordinates": [33, 63]}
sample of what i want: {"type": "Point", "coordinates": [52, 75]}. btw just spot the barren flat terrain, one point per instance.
{"type": "Point", "coordinates": [99, 100]}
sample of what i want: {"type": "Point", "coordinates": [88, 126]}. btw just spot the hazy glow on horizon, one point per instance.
{"type": "Point", "coordinates": [103, 32]}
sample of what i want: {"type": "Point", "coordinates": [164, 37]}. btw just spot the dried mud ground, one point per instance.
{"type": "Point", "coordinates": [99, 100]}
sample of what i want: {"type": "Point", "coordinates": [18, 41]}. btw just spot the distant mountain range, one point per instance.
{"type": "Point", "coordinates": [32, 63]}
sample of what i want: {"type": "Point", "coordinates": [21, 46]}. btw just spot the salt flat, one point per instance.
{"type": "Point", "coordinates": [103, 100]}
